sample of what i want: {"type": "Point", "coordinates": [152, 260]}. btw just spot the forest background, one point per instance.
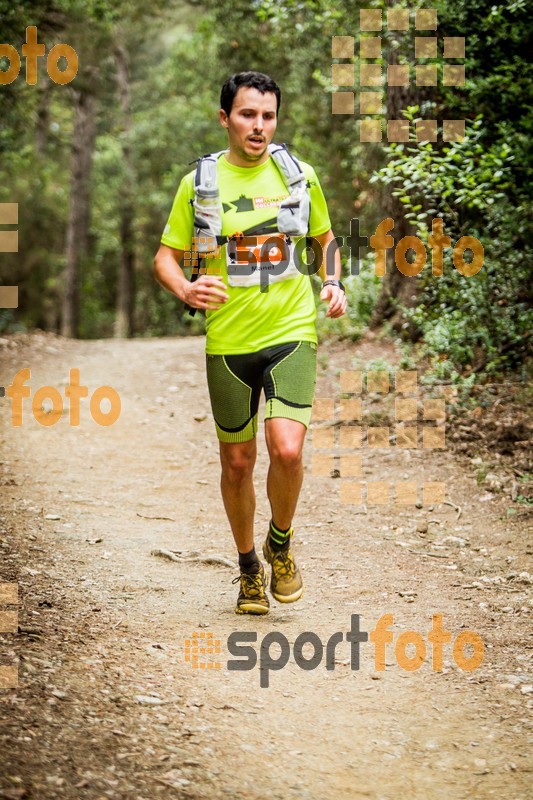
{"type": "Point", "coordinates": [94, 165]}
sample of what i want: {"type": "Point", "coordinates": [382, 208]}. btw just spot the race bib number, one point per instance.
{"type": "Point", "coordinates": [260, 260]}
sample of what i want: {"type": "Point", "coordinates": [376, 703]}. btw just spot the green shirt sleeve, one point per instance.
{"type": "Point", "coordinates": [178, 231]}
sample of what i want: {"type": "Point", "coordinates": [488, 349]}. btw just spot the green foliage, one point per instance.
{"type": "Point", "coordinates": [362, 291]}
{"type": "Point", "coordinates": [458, 182]}
{"type": "Point", "coordinates": [481, 322]}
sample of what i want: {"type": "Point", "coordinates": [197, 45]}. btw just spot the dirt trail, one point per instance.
{"type": "Point", "coordinates": [107, 705]}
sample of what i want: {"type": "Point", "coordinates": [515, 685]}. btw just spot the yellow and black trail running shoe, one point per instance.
{"type": "Point", "coordinates": [252, 597]}
{"type": "Point", "coordinates": [286, 582]}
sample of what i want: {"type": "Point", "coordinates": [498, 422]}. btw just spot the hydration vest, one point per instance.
{"type": "Point", "coordinates": [293, 213]}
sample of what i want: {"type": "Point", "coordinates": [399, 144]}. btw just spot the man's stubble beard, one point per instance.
{"type": "Point", "coordinates": [252, 157]}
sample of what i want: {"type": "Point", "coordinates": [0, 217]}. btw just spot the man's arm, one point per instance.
{"type": "Point", "coordinates": [332, 294]}
{"type": "Point", "coordinates": [208, 292]}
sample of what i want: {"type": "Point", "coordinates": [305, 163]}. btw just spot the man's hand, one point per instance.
{"type": "Point", "coordinates": [337, 300]}
{"type": "Point", "coordinates": [207, 292]}
{"type": "Point", "coordinates": [331, 258]}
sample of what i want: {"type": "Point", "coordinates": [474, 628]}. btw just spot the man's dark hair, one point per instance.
{"type": "Point", "coordinates": [255, 80]}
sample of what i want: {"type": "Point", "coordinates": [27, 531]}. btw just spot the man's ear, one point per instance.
{"type": "Point", "coordinates": [223, 118]}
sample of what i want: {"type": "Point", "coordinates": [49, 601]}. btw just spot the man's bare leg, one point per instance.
{"type": "Point", "coordinates": [236, 483]}
{"type": "Point", "coordinates": [238, 494]}
{"type": "Point", "coordinates": [285, 441]}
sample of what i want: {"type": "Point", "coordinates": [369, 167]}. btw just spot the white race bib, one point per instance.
{"type": "Point", "coordinates": [260, 260]}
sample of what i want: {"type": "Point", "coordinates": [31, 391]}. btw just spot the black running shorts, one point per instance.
{"type": "Point", "coordinates": [286, 372]}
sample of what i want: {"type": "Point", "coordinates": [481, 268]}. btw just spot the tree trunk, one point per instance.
{"type": "Point", "coordinates": [43, 117]}
{"type": "Point", "coordinates": [83, 139]}
{"type": "Point", "coordinates": [124, 321]}
{"type": "Point", "coordinates": [396, 288]}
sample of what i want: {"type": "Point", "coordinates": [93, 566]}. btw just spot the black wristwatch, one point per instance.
{"type": "Point", "coordinates": [334, 283]}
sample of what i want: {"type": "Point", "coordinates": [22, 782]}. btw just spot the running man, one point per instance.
{"type": "Point", "coordinates": [256, 339]}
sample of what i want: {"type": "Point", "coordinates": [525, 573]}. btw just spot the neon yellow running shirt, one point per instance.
{"type": "Point", "coordinates": [250, 319]}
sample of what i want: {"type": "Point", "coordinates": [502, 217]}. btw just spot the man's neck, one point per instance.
{"type": "Point", "coordinates": [237, 160]}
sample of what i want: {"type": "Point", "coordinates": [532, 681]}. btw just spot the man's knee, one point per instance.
{"type": "Point", "coordinates": [237, 460]}
{"type": "Point", "coordinates": [286, 453]}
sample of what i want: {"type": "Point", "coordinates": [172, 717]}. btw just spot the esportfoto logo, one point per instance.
{"type": "Point", "coordinates": [308, 650]}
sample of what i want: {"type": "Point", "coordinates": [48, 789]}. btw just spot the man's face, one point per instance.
{"type": "Point", "coordinates": [251, 126]}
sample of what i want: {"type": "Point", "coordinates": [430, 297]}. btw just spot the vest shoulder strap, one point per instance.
{"type": "Point", "coordinates": [287, 164]}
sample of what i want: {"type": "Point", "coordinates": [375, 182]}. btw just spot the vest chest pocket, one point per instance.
{"type": "Point", "coordinates": [260, 260]}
